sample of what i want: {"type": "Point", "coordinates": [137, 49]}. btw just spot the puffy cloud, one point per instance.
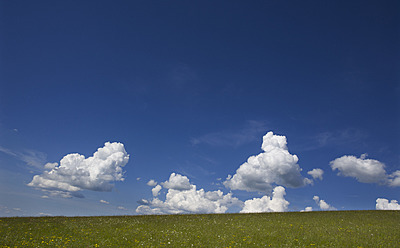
{"type": "Point", "coordinates": [394, 179]}
{"type": "Point", "coordinates": [266, 204]}
{"type": "Point", "coordinates": [152, 183]}
{"type": "Point", "coordinates": [323, 205]}
{"type": "Point", "coordinates": [50, 166]}
{"type": "Point", "coordinates": [156, 190]}
{"type": "Point", "coordinates": [365, 170]}
{"type": "Point", "coordinates": [307, 209]}
{"type": "Point", "coordinates": [273, 166]}
{"type": "Point", "coordinates": [182, 198]}
{"type": "Point", "coordinates": [316, 173]}
{"type": "Point", "coordinates": [177, 182]}
{"type": "Point", "coordinates": [384, 204]}
{"type": "Point", "coordinates": [105, 202]}
{"type": "Point", "coordinates": [76, 172]}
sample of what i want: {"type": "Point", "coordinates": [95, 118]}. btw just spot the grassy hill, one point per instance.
{"type": "Point", "coordinates": [311, 229]}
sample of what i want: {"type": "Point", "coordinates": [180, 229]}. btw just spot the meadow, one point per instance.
{"type": "Point", "coordinates": [308, 229]}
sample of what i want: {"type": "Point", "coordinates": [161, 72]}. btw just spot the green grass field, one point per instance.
{"type": "Point", "coordinates": [312, 229]}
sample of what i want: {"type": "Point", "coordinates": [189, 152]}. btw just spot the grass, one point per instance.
{"type": "Point", "coordinates": [311, 229]}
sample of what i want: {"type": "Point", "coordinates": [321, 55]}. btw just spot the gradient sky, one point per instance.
{"type": "Point", "coordinates": [191, 87]}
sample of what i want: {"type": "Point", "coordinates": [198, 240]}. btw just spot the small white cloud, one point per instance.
{"type": "Point", "coordinates": [394, 179]}
{"type": "Point", "coordinates": [364, 170]}
{"type": "Point", "coordinates": [152, 183]}
{"type": "Point", "coordinates": [183, 197]}
{"type": "Point", "coordinates": [177, 182]}
{"type": "Point", "coordinates": [50, 166]}
{"type": "Point", "coordinates": [105, 202]}
{"type": "Point", "coordinates": [307, 209]}
{"type": "Point", "coordinates": [323, 205]}
{"type": "Point", "coordinates": [384, 204]}
{"type": "Point", "coordinates": [45, 214]}
{"type": "Point", "coordinates": [138, 179]}
{"type": "Point", "coordinates": [156, 190]}
{"type": "Point", "coordinates": [273, 166]}
{"type": "Point", "coordinates": [266, 204]}
{"type": "Point", "coordinates": [316, 173]}
{"type": "Point", "coordinates": [143, 202]}
{"type": "Point", "coordinates": [76, 172]}
{"type": "Point", "coordinates": [122, 208]}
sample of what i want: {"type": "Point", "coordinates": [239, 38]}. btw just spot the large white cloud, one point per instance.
{"type": "Point", "coordinates": [76, 172]}
{"type": "Point", "coordinates": [266, 204]}
{"type": "Point", "coordinates": [384, 204]}
{"type": "Point", "coordinates": [273, 166]}
{"type": "Point", "coordinates": [182, 198]}
{"type": "Point", "coordinates": [365, 170]}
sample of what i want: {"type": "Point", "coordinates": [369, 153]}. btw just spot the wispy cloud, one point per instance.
{"type": "Point", "coordinates": [182, 75]}
{"type": "Point", "coordinates": [346, 136]}
{"type": "Point", "coordinates": [30, 157]}
{"type": "Point", "coordinates": [251, 131]}
{"type": "Point", "coordinates": [6, 211]}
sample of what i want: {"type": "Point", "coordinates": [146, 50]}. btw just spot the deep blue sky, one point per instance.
{"type": "Point", "coordinates": [191, 87]}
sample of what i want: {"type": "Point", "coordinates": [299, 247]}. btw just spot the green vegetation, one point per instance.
{"type": "Point", "coordinates": [311, 229]}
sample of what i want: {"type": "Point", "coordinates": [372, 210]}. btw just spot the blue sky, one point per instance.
{"type": "Point", "coordinates": [191, 88]}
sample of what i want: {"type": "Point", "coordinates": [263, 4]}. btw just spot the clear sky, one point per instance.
{"type": "Point", "coordinates": [184, 93]}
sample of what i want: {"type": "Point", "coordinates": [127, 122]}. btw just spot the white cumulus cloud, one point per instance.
{"type": "Point", "coordinates": [76, 173]}
{"type": "Point", "coordinates": [152, 183]}
{"type": "Point", "coordinates": [156, 190]}
{"type": "Point", "coordinates": [267, 204]}
{"type": "Point", "coordinates": [275, 165]}
{"type": "Point", "coordinates": [182, 198]}
{"type": "Point", "coordinates": [394, 179]}
{"type": "Point", "coordinates": [178, 182]}
{"type": "Point", "coordinates": [307, 209]}
{"type": "Point", "coordinates": [105, 202]}
{"type": "Point", "coordinates": [384, 204]}
{"type": "Point", "coordinates": [316, 173]}
{"type": "Point", "coordinates": [365, 170]}
{"type": "Point", "coordinates": [323, 205]}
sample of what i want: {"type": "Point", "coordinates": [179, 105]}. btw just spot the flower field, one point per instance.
{"type": "Point", "coordinates": [308, 229]}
